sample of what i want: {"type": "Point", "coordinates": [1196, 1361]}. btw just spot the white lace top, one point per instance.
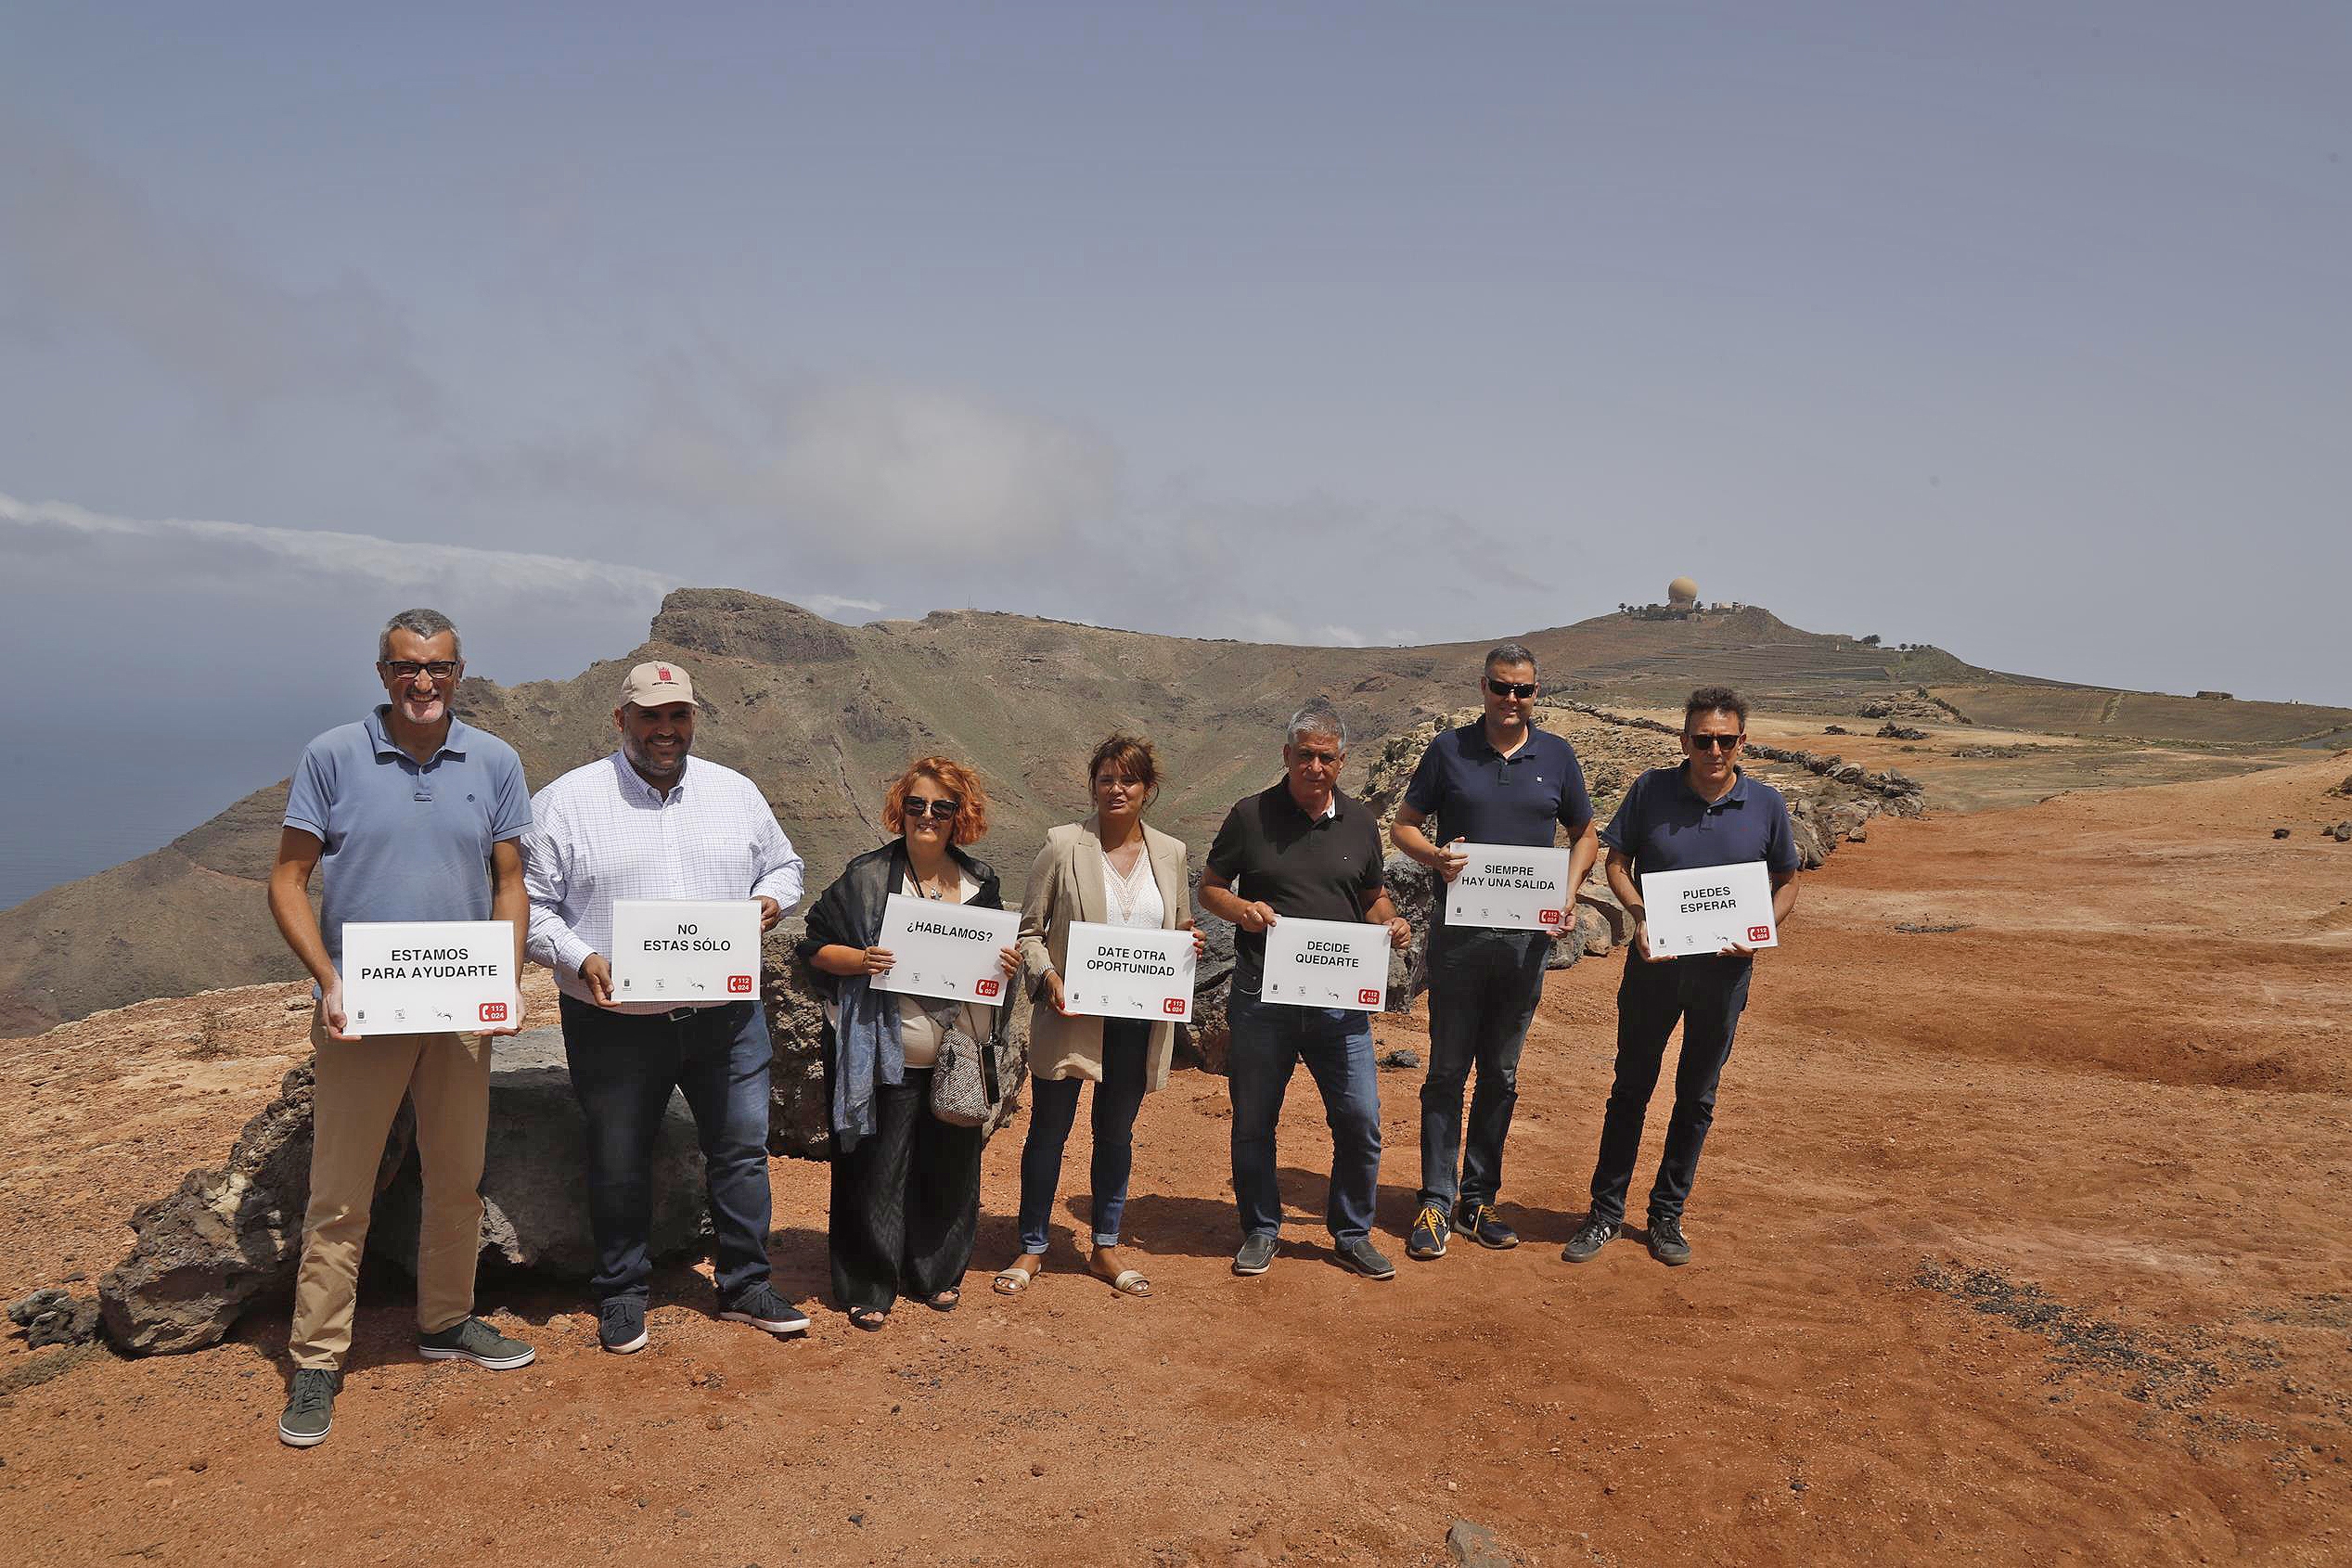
{"type": "Point", "coordinates": [1132, 900]}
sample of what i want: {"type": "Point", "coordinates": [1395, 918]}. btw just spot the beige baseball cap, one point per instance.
{"type": "Point", "coordinates": [656, 684]}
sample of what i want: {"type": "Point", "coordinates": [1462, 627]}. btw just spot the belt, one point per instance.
{"type": "Point", "coordinates": [678, 1015]}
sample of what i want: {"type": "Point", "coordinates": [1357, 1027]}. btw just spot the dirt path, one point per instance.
{"type": "Point", "coordinates": [2022, 1242]}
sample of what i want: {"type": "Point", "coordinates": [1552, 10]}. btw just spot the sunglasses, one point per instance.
{"type": "Point", "coordinates": [1521, 689]}
{"type": "Point", "coordinates": [939, 811]}
{"type": "Point", "coordinates": [409, 669]}
{"type": "Point", "coordinates": [1715, 742]}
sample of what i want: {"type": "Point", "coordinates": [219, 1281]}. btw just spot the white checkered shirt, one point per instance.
{"type": "Point", "coordinates": [600, 832]}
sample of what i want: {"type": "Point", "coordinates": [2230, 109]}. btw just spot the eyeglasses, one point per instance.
{"type": "Point", "coordinates": [1128, 784]}
{"type": "Point", "coordinates": [1308, 754]}
{"type": "Point", "coordinates": [1715, 742]}
{"type": "Point", "coordinates": [1521, 689]}
{"type": "Point", "coordinates": [939, 811]}
{"type": "Point", "coordinates": [409, 669]}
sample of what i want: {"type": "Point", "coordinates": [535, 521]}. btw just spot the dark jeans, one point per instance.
{"type": "Point", "coordinates": [1705, 993]}
{"type": "Point", "coordinates": [1053, 1107]}
{"type": "Point", "coordinates": [624, 1066]}
{"type": "Point", "coordinates": [906, 1201]}
{"type": "Point", "coordinates": [1483, 989]}
{"type": "Point", "coordinates": [1269, 1040]}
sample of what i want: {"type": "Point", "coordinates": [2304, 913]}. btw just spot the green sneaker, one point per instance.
{"type": "Point", "coordinates": [309, 1409]}
{"type": "Point", "coordinates": [477, 1342]}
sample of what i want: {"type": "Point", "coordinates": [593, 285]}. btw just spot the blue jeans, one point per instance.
{"type": "Point", "coordinates": [1705, 993]}
{"type": "Point", "coordinates": [624, 1066]}
{"type": "Point", "coordinates": [1054, 1106]}
{"type": "Point", "coordinates": [1482, 990]}
{"type": "Point", "coordinates": [1269, 1040]}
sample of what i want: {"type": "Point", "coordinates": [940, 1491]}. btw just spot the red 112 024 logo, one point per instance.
{"type": "Point", "coordinates": [1760, 933]}
{"type": "Point", "coordinates": [494, 1012]}
{"type": "Point", "coordinates": [1368, 997]}
{"type": "Point", "coordinates": [987, 988]}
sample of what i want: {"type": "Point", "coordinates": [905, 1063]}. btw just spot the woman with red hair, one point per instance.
{"type": "Point", "coordinates": [906, 1201]}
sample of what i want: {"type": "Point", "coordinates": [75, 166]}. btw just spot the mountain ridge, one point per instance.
{"type": "Point", "coordinates": [824, 714]}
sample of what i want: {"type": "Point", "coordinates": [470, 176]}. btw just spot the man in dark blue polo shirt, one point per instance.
{"type": "Point", "coordinates": [1706, 812]}
{"type": "Point", "coordinates": [1499, 781]}
{"type": "Point", "coordinates": [1301, 849]}
{"type": "Point", "coordinates": [413, 814]}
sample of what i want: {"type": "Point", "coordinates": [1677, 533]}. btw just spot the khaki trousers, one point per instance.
{"type": "Point", "coordinates": [359, 1087]}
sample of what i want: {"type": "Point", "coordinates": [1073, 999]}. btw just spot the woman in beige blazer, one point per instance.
{"type": "Point", "coordinates": [1113, 870]}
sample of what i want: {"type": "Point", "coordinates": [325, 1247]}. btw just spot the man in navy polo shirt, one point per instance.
{"type": "Point", "coordinates": [1706, 812]}
{"type": "Point", "coordinates": [1499, 781]}
{"type": "Point", "coordinates": [414, 815]}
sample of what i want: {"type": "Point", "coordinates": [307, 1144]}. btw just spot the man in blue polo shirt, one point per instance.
{"type": "Point", "coordinates": [1706, 812]}
{"type": "Point", "coordinates": [1499, 781]}
{"type": "Point", "coordinates": [414, 815]}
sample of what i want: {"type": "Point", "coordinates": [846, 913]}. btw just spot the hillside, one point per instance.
{"type": "Point", "coordinates": [822, 714]}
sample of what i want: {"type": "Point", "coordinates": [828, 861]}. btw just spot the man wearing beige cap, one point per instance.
{"type": "Point", "coordinates": [650, 821]}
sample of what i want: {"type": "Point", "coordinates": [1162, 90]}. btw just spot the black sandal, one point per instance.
{"type": "Point", "coordinates": [945, 1301]}
{"type": "Point", "coordinates": [869, 1318]}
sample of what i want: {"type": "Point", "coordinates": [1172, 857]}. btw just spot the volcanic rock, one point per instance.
{"type": "Point", "coordinates": [799, 1123]}
{"type": "Point", "coordinates": [1203, 1041]}
{"type": "Point", "coordinates": [227, 1236]}
{"type": "Point", "coordinates": [534, 1198]}
{"type": "Point", "coordinates": [53, 1317]}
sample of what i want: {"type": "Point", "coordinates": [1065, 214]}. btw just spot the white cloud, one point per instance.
{"type": "Point", "coordinates": [1265, 626]}
{"type": "Point", "coordinates": [833, 607]}
{"type": "Point", "coordinates": [925, 479]}
{"type": "Point", "coordinates": [196, 552]}
{"type": "Point", "coordinates": [69, 548]}
{"type": "Point", "coordinates": [907, 466]}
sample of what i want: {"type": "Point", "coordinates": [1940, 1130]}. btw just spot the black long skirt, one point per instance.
{"type": "Point", "coordinates": [906, 1201]}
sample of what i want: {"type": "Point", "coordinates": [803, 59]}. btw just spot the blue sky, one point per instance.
{"type": "Point", "coordinates": [2016, 329]}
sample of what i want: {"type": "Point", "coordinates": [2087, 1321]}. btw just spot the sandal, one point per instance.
{"type": "Point", "coordinates": [1012, 1281]}
{"type": "Point", "coordinates": [1126, 1282]}
{"type": "Point", "coordinates": [945, 1301]}
{"type": "Point", "coordinates": [868, 1317]}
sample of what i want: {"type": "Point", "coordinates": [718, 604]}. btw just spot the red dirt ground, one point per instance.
{"type": "Point", "coordinates": [2020, 1242]}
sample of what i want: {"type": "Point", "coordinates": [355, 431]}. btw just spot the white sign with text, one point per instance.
{"type": "Point", "coordinates": [947, 950]}
{"type": "Point", "coordinates": [1119, 971]}
{"type": "Point", "coordinates": [1326, 964]}
{"type": "Point", "coordinates": [428, 977]}
{"type": "Point", "coordinates": [684, 950]}
{"type": "Point", "coordinates": [1708, 909]}
{"type": "Point", "coordinates": [1509, 887]}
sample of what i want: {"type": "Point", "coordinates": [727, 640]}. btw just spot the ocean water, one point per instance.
{"type": "Point", "coordinates": [113, 796]}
